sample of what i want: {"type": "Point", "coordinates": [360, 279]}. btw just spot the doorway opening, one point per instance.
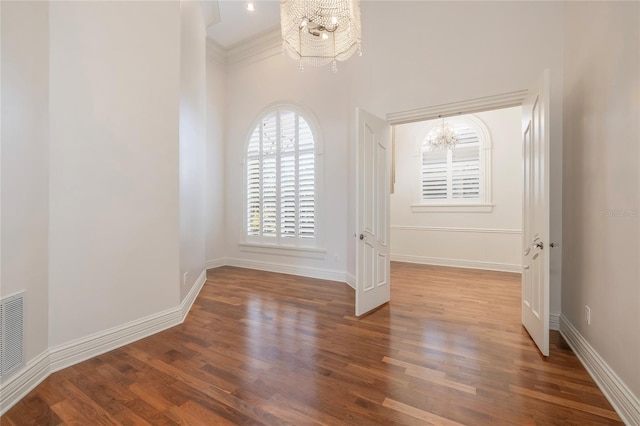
{"type": "Point", "coordinates": [459, 207]}
{"type": "Point", "coordinates": [374, 176]}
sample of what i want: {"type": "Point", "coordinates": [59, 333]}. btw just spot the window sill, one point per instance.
{"type": "Point", "coordinates": [291, 251]}
{"type": "Point", "coordinates": [452, 208]}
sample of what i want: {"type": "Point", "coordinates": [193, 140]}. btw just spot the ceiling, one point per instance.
{"type": "Point", "coordinates": [237, 24]}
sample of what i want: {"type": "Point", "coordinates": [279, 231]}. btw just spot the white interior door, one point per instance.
{"type": "Point", "coordinates": [535, 255]}
{"type": "Point", "coordinates": [373, 187]}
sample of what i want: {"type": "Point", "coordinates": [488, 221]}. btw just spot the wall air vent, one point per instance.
{"type": "Point", "coordinates": [12, 318]}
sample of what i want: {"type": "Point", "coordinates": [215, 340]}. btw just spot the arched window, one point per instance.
{"type": "Point", "coordinates": [458, 176]}
{"type": "Point", "coordinates": [281, 180]}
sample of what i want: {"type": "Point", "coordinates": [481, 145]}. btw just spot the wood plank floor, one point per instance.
{"type": "Point", "coordinates": [265, 348]}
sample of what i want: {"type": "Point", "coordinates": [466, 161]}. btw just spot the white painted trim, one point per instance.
{"type": "Point", "coordinates": [290, 251]}
{"type": "Point", "coordinates": [79, 350]}
{"type": "Point", "coordinates": [68, 354]}
{"type": "Point", "coordinates": [350, 280]}
{"type": "Point", "coordinates": [324, 274]}
{"type": "Point", "coordinates": [186, 304]}
{"type": "Point", "coordinates": [254, 49]}
{"type": "Point", "coordinates": [215, 263]}
{"type": "Point", "coordinates": [452, 208]}
{"type": "Point", "coordinates": [259, 244]}
{"type": "Point", "coordinates": [626, 404]}
{"type": "Point", "coordinates": [457, 263]}
{"type": "Point", "coordinates": [554, 322]}
{"type": "Point", "coordinates": [215, 52]}
{"type": "Point", "coordinates": [456, 229]}
{"type": "Point", "coordinates": [482, 204]}
{"type": "Point", "coordinates": [486, 103]}
{"type": "Point", "coordinates": [262, 46]}
{"type": "Point", "coordinates": [24, 381]}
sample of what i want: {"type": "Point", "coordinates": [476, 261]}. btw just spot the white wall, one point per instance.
{"type": "Point", "coordinates": [192, 144]}
{"type": "Point", "coordinates": [114, 195]}
{"type": "Point", "coordinates": [216, 249]}
{"type": "Point", "coordinates": [489, 240]}
{"type": "Point", "coordinates": [489, 48]}
{"type": "Point", "coordinates": [601, 234]}
{"type": "Point", "coordinates": [25, 164]}
{"type": "Point", "coordinates": [102, 173]}
{"type": "Point", "coordinates": [434, 53]}
{"type": "Point", "coordinates": [251, 87]}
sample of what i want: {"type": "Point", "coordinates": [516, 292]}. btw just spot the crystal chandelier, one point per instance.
{"type": "Point", "coordinates": [442, 137]}
{"type": "Point", "coordinates": [320, 31]}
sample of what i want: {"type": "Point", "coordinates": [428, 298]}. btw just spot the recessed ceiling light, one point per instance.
{"type": "Point", "coordinates": [251, 7]}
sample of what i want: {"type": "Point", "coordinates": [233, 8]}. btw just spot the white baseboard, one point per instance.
{"type": "Point", "coordinates": [324, 274]}
{"type": "Point", "coordinates": [79, 350]}
{"type": "Point", "coordinates": [215, 263]}
{"type": "Point", "coordinates": [350, 280]}
{"type": "Point", "coordinates": [285, 269]}
{"type": "Point", "coordinates": [24, 381]}
{"type": "Point", "coordinates": [554, 322]}
{"type": "Point", "coordinates": [186, 304]}
{"type": "Point", "coordinates": [457, 263]}
{"type": "Point", "coordinates": [626, 404]}
{"type": "Point", "coordinates": [63, 356]}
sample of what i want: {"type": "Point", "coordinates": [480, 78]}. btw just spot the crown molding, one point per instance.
{"type": "Point", "coordinates": [257, 48]}
{"type": "Point", "coordinates": [261, 46]}
{"type": "Point", "coordinates": [486, 103]}
{"type": "Point", "coordinates": [215, 52]}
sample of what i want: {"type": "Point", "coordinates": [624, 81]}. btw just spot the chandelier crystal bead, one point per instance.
{"type": "Point", "coordinates": [319, 32]}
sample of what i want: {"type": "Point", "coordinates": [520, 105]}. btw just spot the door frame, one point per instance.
{"type": "Point", "coordinates": [470, 106]}
{"type": "Point", "coordinates": [487, 103]}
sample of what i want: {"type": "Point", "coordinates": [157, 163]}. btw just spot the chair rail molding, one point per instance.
{"type": "Point", "coordinates": [454, 229]}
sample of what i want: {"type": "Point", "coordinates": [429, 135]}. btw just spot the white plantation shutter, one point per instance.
{"type": "Point", "coordinates": [269, 196]}
{"type": "Point", "coordinates": [288, 196]}
{"type": "Point", "coordinates": [306, 181]}
{"type": "Point", "coordinates": [453, 174]}
{"type": "Point", "coordinates": [281, 199]}
{"type": "Point", "coordinates": [434, 175]}
{"type": "Point", "coordinates": [306, 194]}
{"type": "Point", "coordinates": [288, 189]}
{"type": "Point", "coordinates": [253, 184]}
{"type": "Point", "coordinates": [465, 165]}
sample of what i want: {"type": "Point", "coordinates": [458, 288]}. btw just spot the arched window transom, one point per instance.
{"type": "Point", "coordinates": [281, 180]}
{"type": "Point", "coordinates": [458, 179]}
{"type": "Point", "coordinates": [453, 174]}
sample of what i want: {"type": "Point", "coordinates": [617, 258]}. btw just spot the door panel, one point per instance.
{"type": "Point", "coordinates": [373, 180]}
{"type": "Point", "coordinates": [535, 250]}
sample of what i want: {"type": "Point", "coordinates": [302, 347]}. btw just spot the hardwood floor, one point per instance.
{"type": "Point", "coordinates": [265, 348]}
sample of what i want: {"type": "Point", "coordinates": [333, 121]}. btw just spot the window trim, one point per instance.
{"type": "Point", "coordinates": [283, 250]}
{"type": "Point", "coordinates": [482, 205]}
{"type": "Point", "coordinates": [296, 247]}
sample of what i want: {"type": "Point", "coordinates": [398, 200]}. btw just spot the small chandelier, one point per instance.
{"type": "Point", "coordinates": [442, 137]}
{"type": "Point", "coordinates": [320, 31]}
